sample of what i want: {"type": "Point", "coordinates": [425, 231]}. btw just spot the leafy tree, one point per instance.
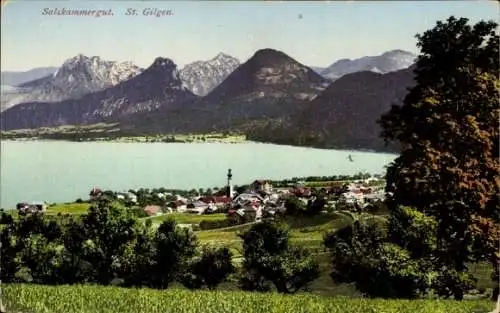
{"type": "Point", "coordinates": [108, 230]}
{"type": "Point", "coordinates": [9, 252]}
{"type": "Point", "coordinates": [362, 253]}
{"type": "Point", "coordinates": [268, 258]}
{"type": "Point", "coordinates": [37, 241]}
{"type": "Point", "coordinates": [35, 224]}
{"type": "Point", "coordinates": [174, 247]}
{"type": "Point", "coordinates": [32, 243]}
{"type": "Point", "coordinates": [75, 265]}
{"type": "Point", "coordinates": [42, 257]}
{"type": "Point", "coordinates": [448, 130]}
{"type": "Point", "coordinates": [211, 269]}
{"type": "Point", "coordinates": [140, 259]}
{"type": "Point", "coordinates": [6, 218]}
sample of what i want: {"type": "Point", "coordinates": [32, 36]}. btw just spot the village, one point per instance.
{"type": "Point", "coordinates": [252, 203]}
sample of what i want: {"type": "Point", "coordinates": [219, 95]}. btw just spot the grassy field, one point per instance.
{"type": "Point", "coordinates": [68, 208]}
{"type": "Point", "coordinates": [307, 231]}
{"type": "Point", "coordinates": [97, 299]}
{"type": "Point", "coordinates": [184, 218]}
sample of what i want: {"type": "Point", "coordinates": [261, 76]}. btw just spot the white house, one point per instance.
{"type": "Point", "coordinates": [244, 197]}
{"type": "Point", "coordinates": [262, 186]}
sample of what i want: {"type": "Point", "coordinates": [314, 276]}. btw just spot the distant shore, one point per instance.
{"type": "Point", "coordinates": [140, 139]}
{"type": "Point", "coordinates": [110, 133]}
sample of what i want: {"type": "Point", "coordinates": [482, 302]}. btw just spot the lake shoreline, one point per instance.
{"type": "Point", "coordinates": [58, 171]}
{"type": "Point", "coordinates": [112, 132]}
{"type": "Point", "coordinates": [244, 141]}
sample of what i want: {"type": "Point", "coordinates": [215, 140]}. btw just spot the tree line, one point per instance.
{"type": "Point", "coordinates": [108, 245]}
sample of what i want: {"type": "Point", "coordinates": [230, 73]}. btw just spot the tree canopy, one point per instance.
{"type": "Point", "coordinates": [448, 130]}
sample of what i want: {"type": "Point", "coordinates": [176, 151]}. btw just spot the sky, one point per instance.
{"type": "Point", "coordinates": [314, 33]}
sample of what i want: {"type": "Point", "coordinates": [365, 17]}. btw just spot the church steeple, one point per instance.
{"type": "Point", "coordinates": [229, 183]}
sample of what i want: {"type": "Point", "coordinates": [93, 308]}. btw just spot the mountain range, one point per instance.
{"type": "Point", "coordinates": [157, 86]}
{"type": "Point", "coordinates": [271, 97]}
{"type": "Point", "coordinates": [389, 61]}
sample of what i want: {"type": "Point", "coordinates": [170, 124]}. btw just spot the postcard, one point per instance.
{"type": "Point", "coordinates": [249, 156]}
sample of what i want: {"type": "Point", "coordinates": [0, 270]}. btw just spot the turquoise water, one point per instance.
{"type": "Point", "coordinates": [58, 171]}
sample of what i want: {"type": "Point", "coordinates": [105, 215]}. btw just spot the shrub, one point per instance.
{"type": "Point", "coordinates": [268, 258]}
{"type": "Point", "coordinates": [211, 269]}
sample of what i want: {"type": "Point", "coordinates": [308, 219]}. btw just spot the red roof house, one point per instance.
{"type": "Point", "coordinates": [152, 209]}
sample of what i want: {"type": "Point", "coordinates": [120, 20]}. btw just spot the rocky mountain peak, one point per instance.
{"type": "Point", "coordinates": [201, 77]}
{"type": "Point", "coordinates": [270, 56]}
{"type": "Point", "coordinates": [76, 77]}
{"type": "Point", "coordinates": [163, 71]}
{"type": "Point", "coordinates": [164, 63]}
{"type": "Point", "coordinates": [222, 56]}
{"type": "Point", "coordinates": [268, 74]}
{"type": "Point", "coordinates": [107, 73]}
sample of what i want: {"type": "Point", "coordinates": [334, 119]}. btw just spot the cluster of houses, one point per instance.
{"type": "Point", "coordinates": [259, 201]}
{"type": "Point", "coordinates": [362, 193]}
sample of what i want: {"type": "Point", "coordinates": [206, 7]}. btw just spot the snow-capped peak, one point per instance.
{"type": "Point", "coordinates": [201, 77]}
{"type": "Point", "coordinates": [106, 73]}
{"type": "Point", "coordinates": [76, 77]}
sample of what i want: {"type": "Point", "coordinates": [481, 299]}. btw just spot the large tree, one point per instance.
{"type": "Point", "coordinates": [448, 130]}
{"type": "Point", "coordinates": [108, 229]}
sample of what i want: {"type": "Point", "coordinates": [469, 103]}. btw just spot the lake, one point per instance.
{"type": "Point", "coordinates": [59, 171]}
{"type": "Point", "coordinates": [6, 88]}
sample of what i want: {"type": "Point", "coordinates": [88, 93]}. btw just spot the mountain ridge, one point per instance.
{"type": "Point", "coordinates": [343, 116]}
{"type": "Point", "coordinates": [386, 62]}
{"type": "Point", "coordinates": [76, 77]}
{"type": "Point", "coordinates": [158, 85]}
